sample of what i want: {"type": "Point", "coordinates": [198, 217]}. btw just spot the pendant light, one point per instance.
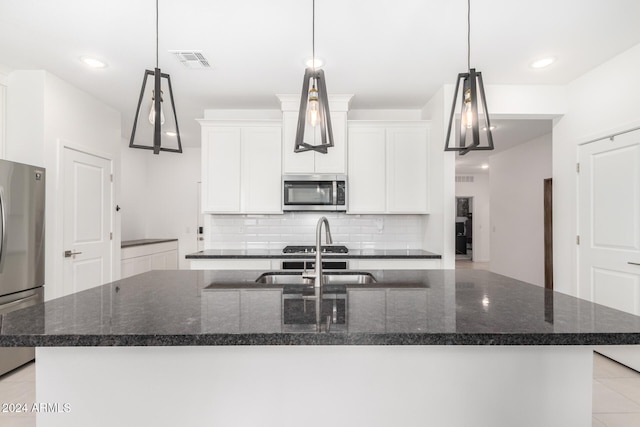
{"type": "Point", "coordinates": [472, 94]}
{"type": "Point", "coordinates": [314, 105]}
{"type": "Point", "coordinates": [161, 119]}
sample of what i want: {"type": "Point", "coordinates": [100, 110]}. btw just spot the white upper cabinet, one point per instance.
{"type": "Point", "coordinates": [407, 169]}
{"type": "Point", "coordinates": [241, 166]}
{"type": "Point", "coordinates": [388, 167]}
{"type": "Point", "coordinates": [309, 162]}
{"type": "Point", "coordinates": [367, 188]}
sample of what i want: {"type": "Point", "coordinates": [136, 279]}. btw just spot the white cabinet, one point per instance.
{"type": "Point", "coordinates": [334, 161]}
{"type": "Point", "coordinates": [263, 264]}
{"type": "Point", "coordinates": [367, 165]}
{"type": "Point", "coordinates": [395, 264]}
{"type": "Point", "coordinates": [241, 166]}
{"type": "Point", "coordinates": [146, 257]}
{"type": "Point", "coordinates": [388, 167]}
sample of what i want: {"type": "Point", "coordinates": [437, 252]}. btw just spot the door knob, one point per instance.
{"type": "Point", "coordinates": [68, 254]}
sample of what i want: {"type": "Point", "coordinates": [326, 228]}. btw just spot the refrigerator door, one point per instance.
{"type": "Point", "coordinates": [22, 200]}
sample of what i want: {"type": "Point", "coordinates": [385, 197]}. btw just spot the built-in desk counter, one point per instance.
{"type": "Point", "coordinates": [142, 255]}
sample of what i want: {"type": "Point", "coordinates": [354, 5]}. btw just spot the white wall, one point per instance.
{"type": "Point", "coordinates": [439, 225]}
{"type": "Point", "coordinates": [479, 190]}
{"type": "Point", "coordinates": [43, 113]}
{"type": "Point", "coordinates": [4, 79]}
{"type": "Point", "coordinates": [133, 202]}
{"type": "Point", "coordinates": [160, 196]}
{"type": "Point", "coordinates": [600, 102]}
{"type": "Point", "coordinates": [516, 181]}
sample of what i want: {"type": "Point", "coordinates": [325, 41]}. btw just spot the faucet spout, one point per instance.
{"type": "Point", "coordinates": [318, 278]}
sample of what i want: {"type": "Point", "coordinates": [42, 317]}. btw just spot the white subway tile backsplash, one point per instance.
{"type": "Point", "coordinates": [277, 231]}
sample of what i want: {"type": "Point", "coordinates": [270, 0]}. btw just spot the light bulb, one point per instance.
{"type": "Point", "coordinates": [468, 112]}
{"type": "Point", "coordinates": [313, 107]}
{"type": "Point", "coordinates": [152, 111]}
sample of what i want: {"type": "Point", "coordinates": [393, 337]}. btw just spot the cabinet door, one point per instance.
{"type": "Point", "coordinates": [132, 266]}
{"type": "Point", "coordinates": [367, 181]}
{"type": "Point", "coordinates": [335, 159]}
{"type": "Point", "coordinates": [261, 170]}
{"type": "Point", "coordinates": [221, 158]}
{"type": "Point", "coordinates": [164, 261]}
{"type": "Point", "coordinates": [407, 170]}
{"type": "Point", "coordinates": [294, 162]}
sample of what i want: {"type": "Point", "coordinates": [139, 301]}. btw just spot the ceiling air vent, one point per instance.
{"type": "Point", "coordinates": [464, 178]}
{"type": "Point", "coordinates": [191, 59]}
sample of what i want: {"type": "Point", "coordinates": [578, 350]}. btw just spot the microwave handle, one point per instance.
{"type": "Point", "coordinates": [335, 192]}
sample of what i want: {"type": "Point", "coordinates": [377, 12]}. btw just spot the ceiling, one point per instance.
{"type": "Point", "coordinates": [388, 54]}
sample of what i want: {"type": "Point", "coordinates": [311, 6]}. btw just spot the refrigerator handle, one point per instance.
{"type": "Point", "coordinates": [3, 224]}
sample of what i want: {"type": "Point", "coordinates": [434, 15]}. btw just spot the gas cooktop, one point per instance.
{"type": "Point", "coordinates": [312, 249]}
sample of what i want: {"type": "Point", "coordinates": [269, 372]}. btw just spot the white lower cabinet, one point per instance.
{"type": "Point", "coordinates": [143, 258]}
{"type": "Point", "coordinates": [388, 167]}
{"type": "Point", "coordinates": [241, 167]}
{"type": "Point", "coordinates": [395, 264]}
{"type": "Point", "coordinates": [263, 264]}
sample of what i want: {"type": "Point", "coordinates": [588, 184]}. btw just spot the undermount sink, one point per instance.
{"type": "Point", "coordinates": [330, 278]}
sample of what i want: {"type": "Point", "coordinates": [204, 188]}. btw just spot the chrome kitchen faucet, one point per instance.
{"type": "Point", "coordinates": [317, 272]}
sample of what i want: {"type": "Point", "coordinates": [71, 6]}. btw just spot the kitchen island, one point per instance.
{"type": "Point", "coordinates": [436, 347]}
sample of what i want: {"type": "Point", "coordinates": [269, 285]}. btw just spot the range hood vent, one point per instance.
{"type": "Point", "coordinates": [191, 58]}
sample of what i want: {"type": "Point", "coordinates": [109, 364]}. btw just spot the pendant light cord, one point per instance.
{"type": "Point", "coordinates": [313, 35]}
{"type": "Point", "coordinates": [156, 33]}
{"type": "Point", "coordinates": [469, 34]}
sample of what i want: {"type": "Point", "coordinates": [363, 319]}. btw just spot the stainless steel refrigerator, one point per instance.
{"type": "Point", "coordinates": [22, 199]}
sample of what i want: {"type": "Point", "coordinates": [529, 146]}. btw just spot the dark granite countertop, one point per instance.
{"type": "Point", "coordinates": [277, 253]}
{"type": "Point", "coordinates": [141, 242]}
{"type": "Point", "coordinates": [432, 307]}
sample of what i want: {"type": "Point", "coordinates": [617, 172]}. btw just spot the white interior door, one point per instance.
{"type": "Point", "coordinates": [609, 218]}
{"type": "Point", "coordinates": [87, 220]}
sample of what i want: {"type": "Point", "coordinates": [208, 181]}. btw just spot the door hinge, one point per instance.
{"type": "Point", "coordinates": [577, 240]}
{"type": "Point", "coordinates": [578, 167]}
{"type": "Point", "coordinates": [111, 177]}
{"type": "Point", "coordinates": [111, 235]}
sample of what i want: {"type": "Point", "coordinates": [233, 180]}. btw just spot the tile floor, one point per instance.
{"type": "Point", "coordinates": [18, 386]}
{"type": "Point", "coordinates": [616, 394]}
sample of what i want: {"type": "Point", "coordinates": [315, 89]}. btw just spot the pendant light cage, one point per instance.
{"type": "Point", "coordinates": [314, 118]}
{"type": "Point", "coordinates": [156, 128]}
{"type": "Point", "coordinates": [472, 95]}
{"type": "Point", "coordinates": [317, 80]}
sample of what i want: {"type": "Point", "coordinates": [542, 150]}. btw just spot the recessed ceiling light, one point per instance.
{"type": "Point", "coordinates": [169, 133]}
{"type": "Point", "coordinates": [485, 166]}
{"type": "Point", "coordinates": [319, 63]}
{"type": "Point", "coordinates": [93, 62]}
{"type": "Point", "coordinates": [544, 62]}
{"type": "Point", "coordinates": [490, 128]}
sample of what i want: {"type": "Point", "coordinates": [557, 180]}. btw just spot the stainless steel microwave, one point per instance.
{"type": "Point", "coordinates": [314, 193]}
